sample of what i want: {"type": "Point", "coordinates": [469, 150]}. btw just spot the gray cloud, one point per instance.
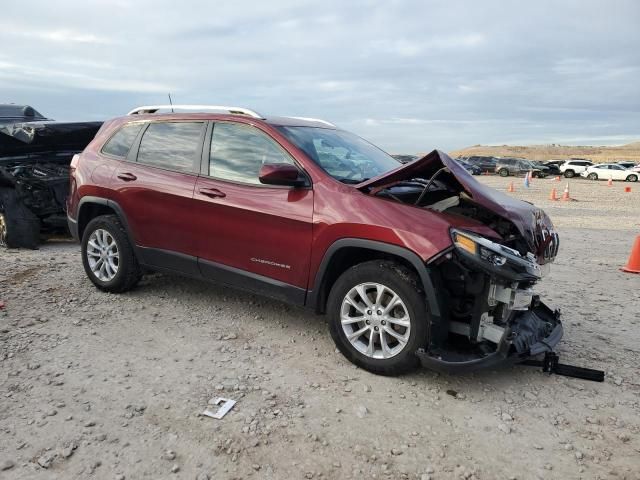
{"type": "Point", "coordinates": [407, 75]}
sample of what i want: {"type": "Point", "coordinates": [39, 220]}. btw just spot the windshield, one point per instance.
{"type": "Point", "coordinates": [343, 155]}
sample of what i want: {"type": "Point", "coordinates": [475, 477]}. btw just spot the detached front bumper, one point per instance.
{"type": "Point", "coordinates": [531, 333]}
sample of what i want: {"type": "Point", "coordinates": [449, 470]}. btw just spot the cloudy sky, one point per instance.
{"type": "Point", "coordinates": [407, 75]}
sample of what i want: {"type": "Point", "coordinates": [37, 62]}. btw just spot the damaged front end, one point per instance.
{"type": "Point", "coordinates": [487, 312]}
{"type": "Point", "coordinates": [35, 154]}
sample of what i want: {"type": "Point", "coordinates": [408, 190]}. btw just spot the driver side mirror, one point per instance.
{"type": "Point", "coordinates": [283, 174]}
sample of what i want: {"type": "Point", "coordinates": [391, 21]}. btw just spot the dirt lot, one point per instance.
{"type": "Point", "coordinates": [101, 386]}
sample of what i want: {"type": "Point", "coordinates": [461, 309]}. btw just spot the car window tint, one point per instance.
{"type": "Point", "coordinates": [239, 151]}
{"type": "Point", "coordinates": [120, 144]}
{"type": "Point", "coordinates": [172, 145]}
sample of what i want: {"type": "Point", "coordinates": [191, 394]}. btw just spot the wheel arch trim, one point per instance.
{"type": "Point", "coordinates": [316, 296]}
{"type": "Point", "coordinates": [85, 201]}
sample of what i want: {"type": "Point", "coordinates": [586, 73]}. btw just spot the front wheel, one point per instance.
{"type": "Point", "coordinates": [632, 178]}
{"type": "Point", "coordinates": [503, 172]}
{"type": "Point", "coordinates": [592, 176]}
{"type": "Point", "coordinates": [378, 317]}
{"type": "Point", "coordinates": [107, 255]}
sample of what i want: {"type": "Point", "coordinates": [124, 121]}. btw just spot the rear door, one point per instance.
{"type": "Point", "coordinates": [154, 187]}
{"type": "Point", "coordinates": [251, 235]}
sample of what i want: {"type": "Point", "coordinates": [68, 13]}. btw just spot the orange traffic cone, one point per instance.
{"type": "Point", "coordinates": [627, 189]}
{"type": "Point", "coordinates": [558, 178]}
{"type": "Point", "coordinates": [565, 195]}
{"type": "Point", "coordinates": [554, 194]}
{"type": "Point", "coordinates": [633, 265]}
{"type": "Point", "coordinates": [610, 182]}
{"type": "Point", "coordinates": [511, 188]}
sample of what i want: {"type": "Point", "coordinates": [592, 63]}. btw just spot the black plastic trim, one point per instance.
{"type": "Point", "coordinates": [113, 206]}
{"type": "Point", "coordinates": [169, 260]}
{"type": "Point", "coordinates": [252, 282]}
{"type": "Point", "coordinates": [316, 296]}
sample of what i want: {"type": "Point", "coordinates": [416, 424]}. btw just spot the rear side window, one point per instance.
{"type": "Point", "coordinates": [171, 145]}
{"type": "Point", "coordinates": [238, 152]}
{"type": "Point", "coordinates": [120, 144]}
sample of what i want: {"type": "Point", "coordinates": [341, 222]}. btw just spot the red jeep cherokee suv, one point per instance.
{"type": "Point", "coordinates": [414, 263]}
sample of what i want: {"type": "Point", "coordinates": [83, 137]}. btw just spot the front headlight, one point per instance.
{"type": "Point", "coordinates": [493, 255]}
{"type": "Point", "coordinates": [478, 246]}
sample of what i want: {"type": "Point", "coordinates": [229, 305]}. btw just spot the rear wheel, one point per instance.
{"type": "Point", "coordinates": [592, 176]}
{"type": "Point", "coordinates": [107, 255]}
{"type": "Point", "coordinates": [503, 172]}
{"type": "Point", "coordinates": [569, 173]}
{"type": "Point", "coordinates": [632, 178]}
{"type": "Point", "coordinates": [378, 317]}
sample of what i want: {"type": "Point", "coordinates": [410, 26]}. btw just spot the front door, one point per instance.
{"type": "Point", "coordinates": [252, 235]}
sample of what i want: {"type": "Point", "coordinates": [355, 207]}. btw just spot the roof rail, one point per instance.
{"type": "Point", "coordinates": [198, 108]}
{"type": "Point", "coordinates": [309, 119]}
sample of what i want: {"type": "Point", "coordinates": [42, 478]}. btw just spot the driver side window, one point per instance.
{"type": "Point", "coordinates": [239, 151]}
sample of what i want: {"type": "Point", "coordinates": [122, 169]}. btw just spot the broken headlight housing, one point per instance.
{"type": "Point", "coordinates": [494, 258]}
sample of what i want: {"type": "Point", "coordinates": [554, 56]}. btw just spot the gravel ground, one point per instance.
{"type": "Point", "coordinates": [94, 385]}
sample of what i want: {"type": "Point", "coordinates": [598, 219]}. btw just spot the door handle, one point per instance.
{"type": "Point", "coordinates": [212, 192]}
{"type": "Point", "coordinates": [127, 177]}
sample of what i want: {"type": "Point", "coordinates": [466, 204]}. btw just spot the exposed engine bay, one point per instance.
{"type": "Point", "coordinates": [35, 154]}
{"type": "Point", "coordinates": [41, 182]}
{"type": "Point", "coordinates": [488, 310]}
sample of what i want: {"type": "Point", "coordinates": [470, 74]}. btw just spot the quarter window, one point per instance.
{"type": "Point", "coordinates": [238, 152]}
{"type": "Point", "coordinates": [171, 145]}
{"type": "Point", "coordinates": [120, 144]}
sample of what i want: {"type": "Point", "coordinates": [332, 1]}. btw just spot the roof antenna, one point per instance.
{"type": "Point", "coordinates": [170, 102]}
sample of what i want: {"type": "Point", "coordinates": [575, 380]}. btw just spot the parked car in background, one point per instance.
{"type": "Point", "coordinates": [405, 158]}
{"type": "Point", "coordinates": [414, 263]}
{"type": "Point", "coordinates": [571, 168]}
{"type": "Point", "coordinates": [553, 166]}
{"type": "Point", "coordinates": [486, 164]}
{"type": "Point", "coordinates": [35, 153]}
{"type": "Point", "coordinates": [472, 169]}
{"type": "Point", "coordinates": [518, 166]}
{"type": "Point", "coordinates": [626, 164]}
{"type": "Point", "coordinates": [606, 171]}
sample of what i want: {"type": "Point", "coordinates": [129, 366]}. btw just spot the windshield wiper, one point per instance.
{"type": "Point", "coordinates": [352, 181]}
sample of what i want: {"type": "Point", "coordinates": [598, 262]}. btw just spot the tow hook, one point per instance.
{"type": "Point", "coordinates": [550, 364]}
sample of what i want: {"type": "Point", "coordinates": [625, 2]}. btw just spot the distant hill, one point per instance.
{"type": "Point", "coordinates": [630, 151]}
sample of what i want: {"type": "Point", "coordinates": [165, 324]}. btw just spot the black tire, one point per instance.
{"type": "Point", "coordinates": [19, 227]}
{"type": "Point", "coordinates": [129, 272]}
{"type": "Point", "coordinates": [632, 178]}
{"type": "Point", "coordinates": [592, 176]}
{"type": "Point", "coordinates": [405, 284]}
{"type": "Point", "coordinates": [569, 173]}
{"type": "Point", "coordinates": [503, 172]}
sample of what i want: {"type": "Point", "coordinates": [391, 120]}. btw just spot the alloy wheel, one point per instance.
{"type": "Point", "coordinates": [375, 320]}
{"type": "Point", "coordinates": [103, 255]}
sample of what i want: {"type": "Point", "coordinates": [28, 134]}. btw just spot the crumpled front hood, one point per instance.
{"type": "Point", "coordinates": [532, 222]}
